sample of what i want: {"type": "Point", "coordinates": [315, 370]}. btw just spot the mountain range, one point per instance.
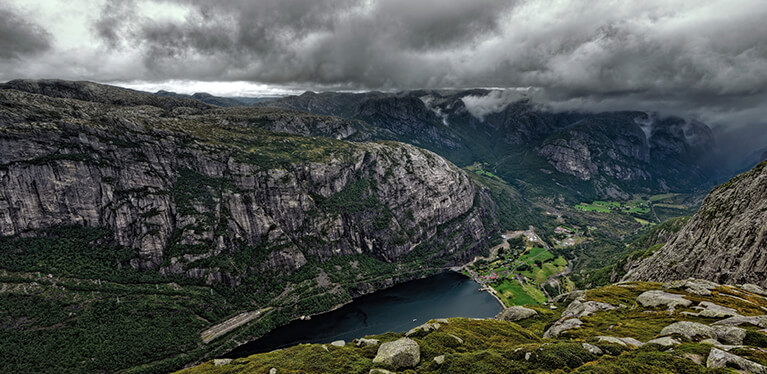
{"type": "Point", "coordinates": [167, 214]}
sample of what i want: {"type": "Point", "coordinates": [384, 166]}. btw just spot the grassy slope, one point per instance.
{"type": "Point", "coordinates": [492, 346]}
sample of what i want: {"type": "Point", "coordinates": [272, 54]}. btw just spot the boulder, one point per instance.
{"type": "Point", "coordinates": [273, 371]}
{"type": "Point", "coordinates": [221, 361]}
{"type": "Point", "coordinates": [718, 358]}
{"type": "Point", "coordinates": [425, 329]}
{"type": "Point", "coordinates": [380, 371]}
{"type": "Point", "coordinates": [657, 298]}
{"type": "Point", "coordinates": [401, 353]}
{"type": "Point", "coordinates": [729, 334]}
{"type": "Point", "coordinates": [515, 313]}
{"type": "Point", "coordinates": [760, 321]}
{"type": "Point", "coordinates": [711, 310]}
{"type": "Point", "coordinates": [695, 286]}
{"type": "Point", "coordinates": [459, 340]}
{"type": "Point", "coordinates": [592, 348]}
{"type": "Point", "coordinates": [688, 330]}
{"type": "Point", "coordinates": [367, 342]}
{"type": "Point", "coordinates": [665, 341]}
{"type": "Point", "coordinates": [439, 359]}
{"type": "Point", "coordinates": [562, 326]}
{"type": "Point", "coordinates": [583, 308]}
{"type": "Point", "coordinates": [753, 289]}
{"type": "Point", "coordinates": [622, 341]}
{"type": "Point", "coordinates": [338, 343]}
{"type": "Point", "coordinates": [574, 295]}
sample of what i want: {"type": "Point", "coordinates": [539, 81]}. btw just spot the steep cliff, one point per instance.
{"type": "Point", "coordinates": [724, 241]}
{"type": "Point", "coordinates": [181, 186]}
{"type": "Point", "coordinates": [597, 155]}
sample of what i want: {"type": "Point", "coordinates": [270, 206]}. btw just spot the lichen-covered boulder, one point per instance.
{"type": "Point", "coordinates": [711, 310]}
{"type": "Point", "coordinates": [695, 286]}
{"type": "Point", "coordinates": [750, 287]}
{"type": "Point", "coordinates": [665, 341]}
{"type": "Point", "coordinates": [658, 298]}
{"type": "Point", "coordinates": [592, 348]}
{"type": "Point", "coordinates": [738, 320]}
{"type": "Point", "coordinates": [423, 329]}
{"type": "Point", "coordinates": [401, 353]}
{"type": "Point", "coordinates": [583, 308]}
{"type": "Point", "coordinates": [688, 330]}
{"type": "Point", "coordinates": [516, 313]}
{"type": "Point", "coordinates": [721, 359]}
{"type": "Point", "coordinates": [367, 342]}
{"type": "Point", "coordinates": [729, 334]}
{"type": "Point", "coordinates": [622, 341]}
{"type": "Point", "coordinates": [562, 326]}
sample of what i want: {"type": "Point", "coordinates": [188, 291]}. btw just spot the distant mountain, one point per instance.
{"type": "Point", "coordinates": [204, 97]}
{"type": "Point", "coordinates": [583, 155]}
{"type": "Point", "coordinates": [165, 216]}
{"type": "Point", "coordinates": [99, 93]}
{"type": "Point", "coordinates": [724, 241]}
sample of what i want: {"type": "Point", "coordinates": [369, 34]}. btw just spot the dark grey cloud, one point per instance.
{"type": "Point", "coordinates": [702, 59]}
{"type": "Point", "coordinates": [20, 37]}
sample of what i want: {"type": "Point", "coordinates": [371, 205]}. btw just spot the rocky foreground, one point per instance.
{"type": "Point", "coordinates": [688, 326]}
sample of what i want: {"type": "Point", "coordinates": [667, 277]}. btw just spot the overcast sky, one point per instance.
{"type": "Point", "coordinates": [701, 58]}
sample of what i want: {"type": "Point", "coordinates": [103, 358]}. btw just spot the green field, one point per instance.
{"type": "Point", "coordinates": [662, 197]}
{"type": "Point", "coordinates": [536, 265]}
{"type": "Point", "coordinates": [535, 253]}
{"type": "Point", "coordinates": [671, 206]}
{"type": "Point", "coordinates": [642, 222]}
{"type": "Point", "coordinates": [512, 292]}
{"type": "Point", "coordinates": [631, 207]}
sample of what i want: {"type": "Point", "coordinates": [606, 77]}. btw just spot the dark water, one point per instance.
{"type": "Point", "coordinates": [394, 309]}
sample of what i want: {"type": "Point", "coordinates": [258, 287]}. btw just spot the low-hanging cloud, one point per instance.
{"type": "Point", "coordinates": [704, 59]}
{"type": "Point", "coordinates": [493, 102]}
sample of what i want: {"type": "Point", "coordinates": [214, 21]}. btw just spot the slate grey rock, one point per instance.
{"type": "Point", "coordinates": [401, 353]}
{"type": "Point", "coordinates": [516, 313]}
{"type": "Point", "coordinates": [367, 342]}
{"type": "Point", "coordinates": [592, 348]}
{"type": "Point", "coordinates": [665, 341]}
{"type": "Point", "coordinates": [622, 341]}
{"type": "Point", "coordinates": [561, 326]}
{"type": "Point", "coordinates": [689, 330]}
{"type": "Point", "coordinates": [718, 358]}
{"type": "Point", "coordinates": [657, 298]}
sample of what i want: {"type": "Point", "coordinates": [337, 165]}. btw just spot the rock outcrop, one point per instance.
{"type": "Point", "coordinates": [723, 242]}
{"type": "Point", "coordinates": [515, 313]}
{"type": "Point", "coordinates": [401, 353]}
{"type": "Point", "coordinates": [184, 185]}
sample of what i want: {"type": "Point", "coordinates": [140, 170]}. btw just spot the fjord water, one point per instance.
{"type": "Point", "coordinates": [395, 309]}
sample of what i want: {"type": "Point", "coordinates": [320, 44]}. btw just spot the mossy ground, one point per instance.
{"type": "Point", "coordinates": [491, 346]}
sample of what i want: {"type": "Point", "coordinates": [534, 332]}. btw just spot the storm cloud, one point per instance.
{"type": "Point", "coordinates": [704, 59]}
{"type": "Point", "coordinates": [20, 37]}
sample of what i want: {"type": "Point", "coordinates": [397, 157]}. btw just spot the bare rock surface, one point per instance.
{"type": "Point", "coordinates": [515, 313]}
{"type": "Point", "coordinates": [718, 358]}
{"type": "Point", "coordinates": [561, 326]}
{"type": "Point", "coordinates": [723, 242]}
{"type": "Point", "coordinates": [401, 353]}
{"type": "Point", "coordinates": [657, 298]}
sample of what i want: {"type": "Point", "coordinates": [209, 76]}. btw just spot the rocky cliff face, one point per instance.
{"type": "Point", "coordinates": [724, 241]}
{"type": "Point", "coordinates": [191, 188]}
{"type": "Point", "coordinates": [611, 154]}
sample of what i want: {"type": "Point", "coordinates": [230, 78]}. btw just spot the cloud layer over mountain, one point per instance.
{"type": "Point", "coordinates": [706, 59]}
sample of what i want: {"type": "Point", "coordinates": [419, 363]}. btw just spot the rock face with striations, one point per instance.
{"type": "Point", "coordinates": [724, 241]}
{"type": "Point", "coordinates": [179, 185]}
